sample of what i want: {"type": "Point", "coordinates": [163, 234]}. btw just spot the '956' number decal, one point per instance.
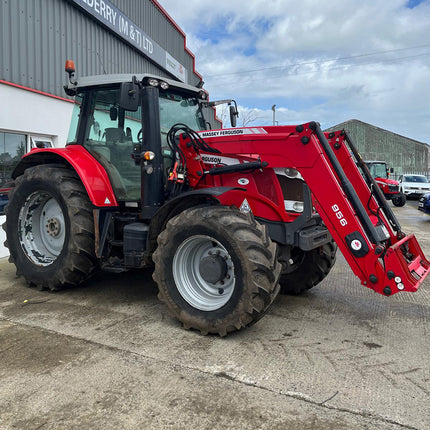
{"type": "Point", "coordinates": [339, 215]}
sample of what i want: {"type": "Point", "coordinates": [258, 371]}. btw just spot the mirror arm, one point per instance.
{"type": "Point", "coordinates": [219, 102]}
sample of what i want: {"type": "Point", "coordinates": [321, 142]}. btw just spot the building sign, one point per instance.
{"type": "Point", "coordinates": [109, 15]}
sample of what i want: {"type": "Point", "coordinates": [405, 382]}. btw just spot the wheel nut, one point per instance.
{"type": "Point", "coordinates": [53, 227]}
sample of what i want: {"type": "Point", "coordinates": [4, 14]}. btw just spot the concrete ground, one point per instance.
{"type": "Point", "coordinates": [108, 356]}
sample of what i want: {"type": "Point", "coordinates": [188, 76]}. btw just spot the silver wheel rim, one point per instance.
{"type": "Point", "coordinates": [41, 228]}
{"type": "Point", "coordinates": [196, 291]}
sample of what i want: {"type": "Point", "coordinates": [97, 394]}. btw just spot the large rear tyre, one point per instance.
{"type": "Point", "coordinates": [50, 228]}
{"type": "Point", "coordinates": [399, 200]}
{"type": "Point", "coordinates": [216, 269]}
{"type": "Point", "coordinates": [308, 268]}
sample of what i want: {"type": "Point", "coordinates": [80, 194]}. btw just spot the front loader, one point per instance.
{"type": "Point", "coordinates": [228, 218]}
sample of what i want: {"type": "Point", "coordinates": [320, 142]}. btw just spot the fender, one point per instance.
{"type": "Point", "coordinates": [91, 172]}
{"type": "Point", "coordinates": [204, 196]}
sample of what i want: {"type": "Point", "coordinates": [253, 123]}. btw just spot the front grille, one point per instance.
{"type": "Point", "coordinates": [393, 188]}
{"type": "Point", "coordinates": [292, 188]}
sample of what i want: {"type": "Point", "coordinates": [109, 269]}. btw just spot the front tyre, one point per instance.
{"type": "Point", "coordinates": [399, 200]}
{"type": "Point", "coordinates": [307, 268]}
{"type": "Point", "coordinates": [50, 228]}
{"type": "Point", "coordinates": [216, 269]}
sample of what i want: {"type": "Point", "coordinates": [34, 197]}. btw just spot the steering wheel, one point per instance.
{"type": "Point", "coordinates": [139, 136]}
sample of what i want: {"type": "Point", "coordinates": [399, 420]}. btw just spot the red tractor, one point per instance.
{"type": "Point", "coordinates": [389, 187]}
{"type": "Point", "coordinates": [228, 218]}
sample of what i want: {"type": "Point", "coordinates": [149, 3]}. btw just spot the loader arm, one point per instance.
{"type": "Point", "coordinates": [361, 223]}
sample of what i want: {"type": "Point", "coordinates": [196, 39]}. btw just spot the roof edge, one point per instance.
{"type": "Point", "coordinates": [353, 120]}
{"type": "Point", "coordinates": [179, 29]}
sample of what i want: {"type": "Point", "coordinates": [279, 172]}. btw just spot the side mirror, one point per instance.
{"type": "Point", "coordinates": [129, 96]}
{"type": "Point", "coordinates": [233, 115]}
{"type": "Point", "coordinates": [392, 170]}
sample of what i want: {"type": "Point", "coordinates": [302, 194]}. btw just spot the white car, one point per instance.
{"type": "Point", "coordinates": [414, 185]}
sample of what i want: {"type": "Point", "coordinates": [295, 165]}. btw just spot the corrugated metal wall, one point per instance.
{"type": "Point", "coordinates": [150, 19]}
{"type": "Point", "coordinates": [403, 154]}
{"type": "Point", "coordinates": [37, 36]}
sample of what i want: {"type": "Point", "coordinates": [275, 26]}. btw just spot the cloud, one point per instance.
{"type": "Point", "coordinates": [368, 60]}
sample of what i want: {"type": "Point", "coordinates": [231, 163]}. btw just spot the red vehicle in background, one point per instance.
{"type": "Point", "coordinates": [389, 187]}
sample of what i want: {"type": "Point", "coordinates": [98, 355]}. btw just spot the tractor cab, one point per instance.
{"type": "Point", "coordinates": [378, 169]}
{"type": "Point", "coordinates": [120, 118]}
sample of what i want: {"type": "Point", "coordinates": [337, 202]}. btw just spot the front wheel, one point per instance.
{"type": "Point", "coordinates": [399, 200]}
{"type": "Point", "coordinates": [307, 268]}
{"type": "Point", "coordinates": [50, 228]}
{"type": "Point", "coordinates": [216, 269]}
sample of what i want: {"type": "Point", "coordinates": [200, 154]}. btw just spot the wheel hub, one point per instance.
{"type": "Point", "coordinates": [213, 268]}
{"type": "Point", "coordinates": [204, 274]}
{"type": "Point", "coordinates": [42, 229]}
{"type": "Point", "coordinates": [53, 227]}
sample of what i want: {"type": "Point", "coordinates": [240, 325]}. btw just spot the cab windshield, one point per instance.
{"type": "Point", "coordinates": [378, 170]}
{"type": "Point", "coordinates": [177, 108]}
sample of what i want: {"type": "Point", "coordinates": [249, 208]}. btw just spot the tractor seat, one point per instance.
{"type": "Point", "coordinates": [114, 134]}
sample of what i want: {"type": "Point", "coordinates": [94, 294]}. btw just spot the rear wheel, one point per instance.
{"type": "Point", "coordinates": [399, 200]}
{"type": "Point", "coordinates": [308, 268]}
{"type": "Point", "coordinates": [50, 228]}
{"type": "Point", "coordinates": [216, 269]}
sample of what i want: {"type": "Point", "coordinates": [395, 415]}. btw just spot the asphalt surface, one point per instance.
{"type": "Point", "coordinates": [108, 356]}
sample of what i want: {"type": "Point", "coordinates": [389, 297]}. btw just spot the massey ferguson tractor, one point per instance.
{"type": "Point", "coordinates": [389, 187]}
{"type": "Point", "coordinates": [228, 218]}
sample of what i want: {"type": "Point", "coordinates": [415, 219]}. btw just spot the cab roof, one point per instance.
{"type": "Point", "coordinates": [98, 80]}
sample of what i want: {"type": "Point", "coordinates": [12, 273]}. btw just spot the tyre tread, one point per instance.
{"type": "Point", "coordinates": [81, 260]}
{"type": "Point", "coordinates": [317, 266]}
{"type": "Point", "coordinates": [261, 253]}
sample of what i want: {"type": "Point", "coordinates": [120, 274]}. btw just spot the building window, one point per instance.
{"type": "Point", "coordinates": [41, 142]}
{"type": "Point", "coordinates": [12, 148]}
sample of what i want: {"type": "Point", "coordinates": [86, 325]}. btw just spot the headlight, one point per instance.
{"type": "Point", "coordinates": [291, 173]}
{"type": "Point", "coordinates": [164, 85]}
{"type": "Point", "coordinates": [293, 206]}
{"type": "Point", "coordinates": [298, 206]}
{"type": "Point", "coordinates": [153, 82]}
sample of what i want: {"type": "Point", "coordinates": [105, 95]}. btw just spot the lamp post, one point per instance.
{"type": "Point", "coordinates": [274, 110]}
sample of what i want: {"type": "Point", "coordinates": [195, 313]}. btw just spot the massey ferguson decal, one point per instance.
{"type": "Point", "coordinates": [214, 159]}
{"type": "Point", "coordinates": [232, 132]}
